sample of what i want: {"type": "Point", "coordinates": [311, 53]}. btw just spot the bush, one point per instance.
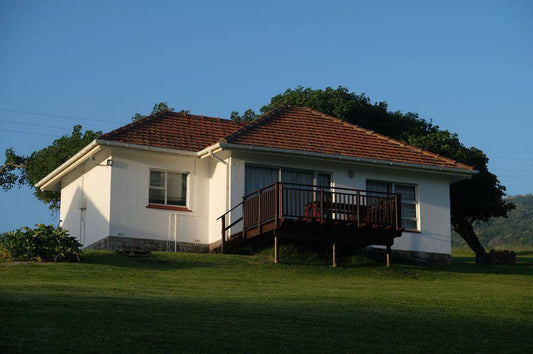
{"type": "Point", "coordinates": [43, 243]}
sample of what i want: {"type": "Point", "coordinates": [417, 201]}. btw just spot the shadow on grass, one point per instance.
{"type": "Point", "coordinates": [40, 323]}
{"type": "Point", "coordinates": [155, 261]}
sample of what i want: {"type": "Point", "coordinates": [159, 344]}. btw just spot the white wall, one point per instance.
{"type": "Point", "coordinates": [130, 216]}
{"type": "Point", "coordinates": [433, 193]}
{"type": "Point", "coordinates": [91, 181]}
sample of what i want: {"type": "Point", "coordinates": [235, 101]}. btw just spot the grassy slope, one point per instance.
{"type": "Point", "coordinates": [205, 303]}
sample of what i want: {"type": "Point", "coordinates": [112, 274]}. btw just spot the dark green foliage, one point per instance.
{"type": "Point", "coordinates": [516, 231]}
{"type": "Point", "coordinates": [356, 109]}
{"type": "Point", "coordinates": [248, 116]}
{"type": "Point", "coordinates": [158, 107]}
{"type": "Point", "coordinates": [44, 243]}
{"type": "Point", "coordinates": [28, 170]}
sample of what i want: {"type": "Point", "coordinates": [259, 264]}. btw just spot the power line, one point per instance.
{"type": "Point", "coordinates": [524, 177]}
{"type": "Point", "coordinates": [34, 124]}
{"type": "Point", "coordinates": [22, 132]}
{"type": "Point", "coordinates": [510, 169]}
{"type": "Point", "coordinates": [511, 158]}
{"type": "Point", "coordinates": [58, 116]}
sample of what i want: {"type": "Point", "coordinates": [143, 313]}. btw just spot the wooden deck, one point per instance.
{"type": "Point", "coordinates": [304, 212]}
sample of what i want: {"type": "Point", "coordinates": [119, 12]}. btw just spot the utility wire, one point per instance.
{"type": "Point", "coordinates": [58, 116]}
{"type": "Point", "coordinates": [511, 158]}
{"type": "Point", "coordinates": [22, 132]}
{"type": "Point", "coordinates": [34, 124]}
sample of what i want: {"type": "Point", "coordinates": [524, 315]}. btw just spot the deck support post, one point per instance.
{"type": "Point", "coordinates": [334, 254]}
{"type": "Point", "coordinates": [276, 248]}
{"type": "Point", "coordinates": [223, 233]}
{"type": "Point", "coordinates": [388, 256]}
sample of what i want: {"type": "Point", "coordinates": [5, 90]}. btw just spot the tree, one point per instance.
{"type": "Point", "coordinates": [248, 116]}
{"type": "Point", "coordinates": [477, 199]}
{"type": "Point", "coordinates": [19, 170]}
{"type": "Point", "coordinates": [158, 107]}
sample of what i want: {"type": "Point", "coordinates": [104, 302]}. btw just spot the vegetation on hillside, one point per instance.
{"type": "Point", "coordinates": [516, 231]}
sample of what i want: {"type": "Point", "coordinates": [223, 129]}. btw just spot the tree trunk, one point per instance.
{"type": "Point", "coordinates": [466, 231]}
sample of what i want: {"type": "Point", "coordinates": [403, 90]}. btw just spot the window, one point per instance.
{"type": "Point", "coordinates": [256, 177]}
{"type": "Point", "coordinates": [408, 199]}
{"type": "Point", "coordinates": [167, 188]}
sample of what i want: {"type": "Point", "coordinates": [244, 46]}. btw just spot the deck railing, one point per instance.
{"type": "Point", "coordinates": [281, 201]}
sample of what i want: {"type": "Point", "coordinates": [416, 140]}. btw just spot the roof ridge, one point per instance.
{"type": "Point", "coordinates": [152, 116]}
{"type": "Point", "coordinates": [256, 122]}
{"type": "Point", "coordinates": [392, 140]}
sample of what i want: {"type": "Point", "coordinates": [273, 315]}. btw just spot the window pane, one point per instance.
{"type": "Point", "coordinates": [378, 186]}
{"type": "Point", "coordinates": [156, 196]}
{"type": "Point", "coordinates": [298, 177]}
{"type": "Point", "coordinates": [408, 210]}
{"type": "Point", "coordinates": [256, 177]}
{"type": "Point", "coordinates": [323, 179]}
{"type": "Point", "coordinates": [407, 192]}
{"type": "Point", "coordinates": [157, 179]}
{"type": "Point", "coordinates": [176, 188]}
{"type": "Point", "coordinates": [409, 224]}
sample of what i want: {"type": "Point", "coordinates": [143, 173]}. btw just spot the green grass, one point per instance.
{"type": "Point", "coordinates": [211, 303]}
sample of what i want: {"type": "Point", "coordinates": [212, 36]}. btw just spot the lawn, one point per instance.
{"type": "Point", "coordinates": [177, 302]}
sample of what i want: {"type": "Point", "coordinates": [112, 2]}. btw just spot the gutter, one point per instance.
{"type": "Point", "coordinates": [144, 147]}
{"type": "Point", "coordinates": [361, 160]}
{"type": "Point", "coordinates": [69, 165]}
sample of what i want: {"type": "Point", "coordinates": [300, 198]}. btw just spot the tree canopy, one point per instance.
{"type": "Point", "coordinates": [476, 199]}
{"type": "Point", "coordinates": [28, 170]}
{"type": "Point", "coordinates": [158, 107]}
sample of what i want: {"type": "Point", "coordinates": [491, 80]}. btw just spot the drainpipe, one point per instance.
{"type": "Point", "coordinates": [211, 154]}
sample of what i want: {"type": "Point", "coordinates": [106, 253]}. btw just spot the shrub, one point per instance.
{"type": "Point", "coordinates": [43, 243]}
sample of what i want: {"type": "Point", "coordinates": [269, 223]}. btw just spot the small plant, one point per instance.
{"type": "Point", "coordinates": [43, 243]}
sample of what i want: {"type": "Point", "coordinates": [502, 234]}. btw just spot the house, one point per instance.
{"type": "Point", "coordinates": [163, 182]}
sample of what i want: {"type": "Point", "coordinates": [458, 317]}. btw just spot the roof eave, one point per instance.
{"type": "Point", "coordinates": [361, 160]}
{"type": "Point", "coordinates": [68, 165]}
{"type": "Point", "coordinates": [120, 144]}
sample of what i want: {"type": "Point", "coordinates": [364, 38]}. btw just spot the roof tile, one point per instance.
{"type": "Point", "coordinates": [286, 127]}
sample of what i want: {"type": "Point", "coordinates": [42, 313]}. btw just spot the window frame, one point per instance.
{"type": "Point", "coordinates": [415, 202]}
{"type": "Point", "coordinates": [281, 169]}
{"type": "Point", "coordinates": [165, 188]}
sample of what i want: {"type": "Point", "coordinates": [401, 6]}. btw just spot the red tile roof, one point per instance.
{"type": "Point", "coordinates": [174, 130]}
{"type": "Point", "coordinates": [286, 127]}
{"type": "Point", "coordinates": [301, 128]}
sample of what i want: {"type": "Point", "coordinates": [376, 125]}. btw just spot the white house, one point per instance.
{"type": "Point", "coordinates": [161, 182]}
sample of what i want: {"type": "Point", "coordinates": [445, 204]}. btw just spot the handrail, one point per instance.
{"type": "Point", "coordinates": [333, 188]}
{"type": "Point", "coordinates": [260, 189]}
{"type": "Point", "coordinates": [226, 213]}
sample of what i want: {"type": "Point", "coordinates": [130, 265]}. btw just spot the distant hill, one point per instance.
{"type": "Point", "coordinates": [514, 231]}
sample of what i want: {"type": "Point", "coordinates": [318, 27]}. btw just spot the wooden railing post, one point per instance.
{"type": "Point", "coordinates": [259, 211]}
{"type": "Point", "coordinates": [321, 204]}
{"type": "Point", "coordinates": [223, 232]}
{"type": "Point", "coordinates": [358, 204]}
{"type": "Point", "coordinates": [280, 202]}
{"type": "Point", "coordinates": [398, 211]}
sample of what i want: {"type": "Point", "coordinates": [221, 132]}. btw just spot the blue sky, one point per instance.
{"type": "Point", "coordinates": [468, 65]}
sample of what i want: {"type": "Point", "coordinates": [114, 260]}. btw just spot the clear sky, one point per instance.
{"type": "Point", "coordinates": [468, 65]}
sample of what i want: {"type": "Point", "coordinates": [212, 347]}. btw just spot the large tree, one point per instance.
{"type": "Point", "coordinates": [477, 199]}
{"type": "Point", "coordinates": [19, 170]}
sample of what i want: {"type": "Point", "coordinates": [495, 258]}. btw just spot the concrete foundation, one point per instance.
{"type": "Point", "coordinates": [115, 243]}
